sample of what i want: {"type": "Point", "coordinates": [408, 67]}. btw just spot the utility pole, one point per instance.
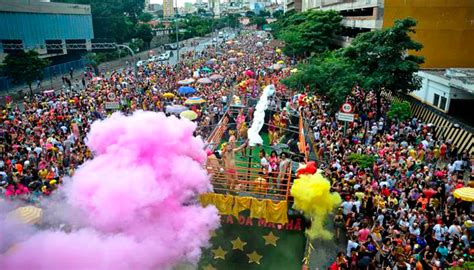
{"type": "Point", "coordinates": [177, 32]}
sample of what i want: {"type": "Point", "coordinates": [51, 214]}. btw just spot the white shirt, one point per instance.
{"type": "Point", "coordinates": [439, 232]}
{"type": "Point", "coordinates": [347, 207]}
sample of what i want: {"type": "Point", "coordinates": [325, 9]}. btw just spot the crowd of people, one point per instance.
{"type": "Point", "coordinates": [399, 212]}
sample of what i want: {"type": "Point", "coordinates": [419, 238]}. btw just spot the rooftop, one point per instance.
{"type": "Point", "coordinates": [37, 6]}
{"type": "Point", "coordinates": [462, 78]}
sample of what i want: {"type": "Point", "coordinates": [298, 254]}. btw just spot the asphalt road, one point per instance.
{"type": "Point", "coordinates": [56, 83]}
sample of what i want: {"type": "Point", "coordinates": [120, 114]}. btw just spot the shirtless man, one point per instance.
{"type": "Point", "coordinates": [228, 157]}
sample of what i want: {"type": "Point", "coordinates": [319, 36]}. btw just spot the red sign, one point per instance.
{"type": "Point", "coordinates": [347, 107]}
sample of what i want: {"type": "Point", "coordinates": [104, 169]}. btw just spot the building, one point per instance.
{"type": "Point", "coordinates": [448, 90]}
{"type": "Point", "coordinates": [48, 28]}
{"type": "Point", "coordinates": [168, 8]}
{"type": "Point", "coordinates": [293, 5]}
{"type": "Point", "coordinates": [215, 6]}
{"type": "Point", "coordinates": [189, 8]}
{"type": "Point", "coordinates": [445, 28]}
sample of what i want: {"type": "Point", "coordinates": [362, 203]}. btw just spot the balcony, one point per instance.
{"type": "Point", "coordinates": [362, 22]}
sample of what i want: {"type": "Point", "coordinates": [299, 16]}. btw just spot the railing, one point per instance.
{"type": "Point", "coordinates": [249, 179]}
{"type": "Point", "coordinates": [215, 138]}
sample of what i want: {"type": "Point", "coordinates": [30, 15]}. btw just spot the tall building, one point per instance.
{"type": "Point", "coordinates": [216, 7]}
{"type": "Point", "coordinates": [168, 8]}
{"type": "Point", "coordinates": [445, 28]}
{"type": "Point", "coordinates": [48, 28]}
{"type": "Point", "coordinates": [293, 5]}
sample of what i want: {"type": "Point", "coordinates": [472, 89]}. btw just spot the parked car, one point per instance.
{"type": "Point", "coordinates": [164, 56]}
{"type": "Point", "coordinates": [140, 63]}
{"type": "Point", "coordinates": [171, 46]}
{"type": "Point", "coordinates": [214, 40]}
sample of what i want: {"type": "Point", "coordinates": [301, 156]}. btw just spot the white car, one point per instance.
{"type": "Point", "coordinates": [214, 40]}
{"type": "Point", "coordinates": [154, 58]}
{"type": "Point", "coordinates": [140, 63]}
{"type": "Point", "coordinates": [163, 57]}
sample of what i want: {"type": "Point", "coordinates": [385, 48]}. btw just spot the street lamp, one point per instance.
{"type": "Point", "coordinates": [177, 33]}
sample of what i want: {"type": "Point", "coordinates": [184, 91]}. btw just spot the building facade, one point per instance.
{"type": "Point", "coordinates": [293, 5]}
{"type": "Point", "coordinates": [42, 26]}
{"type": "Point", "coordinates": [445, 27]}
{"type": "Point", "coordinates": [168, 8]}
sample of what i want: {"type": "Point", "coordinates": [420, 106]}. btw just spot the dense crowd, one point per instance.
{"type": "Point", "coordinates": [399, 212]}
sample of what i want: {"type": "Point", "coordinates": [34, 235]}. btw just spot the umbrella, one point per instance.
{"type": "Point", "coordinates": [184, 90]}
{"type": "Point", "coordinates": [259, 44]}
{"type": "Point", "coordinates": [168, 95]}
{"type": "Point", "coordinates": [190, 115]}
{"type": "Point", "coordinates": [206, 69]}
{"type": "Point", "coordinates": [96, 79]}
{"type": "Point", "coordinates": [249, 73]}
{"type": "Point", "coordinates": [210, 62]}
{"type": "Point", "coordinates": [27, 214]}
{"type": "Point", "coordinates": [186, 81]}
{"type": "Point", "coordinates": [231, 51]}
{"type": "Point", "coordinates": [465, 194]}
{"type": "Point", "coordinates": [216, 77]}
{"type": "Point", "coordinates": [281, 62]}
{"type": "Point", "coordinates": [232, 59]}
{"type": "Point", "coordinates": [278, 50]}
{"type": "Point", "coordinates": [194, 100]}
{"type": "Point", "coordinates": [48, 91]}
{"type": "Point", "coordinates": [175, 108]}
{"type": "Point", "coordinates": [204, 81]}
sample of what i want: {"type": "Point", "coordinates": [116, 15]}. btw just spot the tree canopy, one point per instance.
{"type": "Point", "coordinates": [307, 32]}
{"type": "Point", "coordinates": [381, 58]}
{"type": "Point", "coordinates": [24, 67]}
{"type": "Point", "coordinates": [329, 74]}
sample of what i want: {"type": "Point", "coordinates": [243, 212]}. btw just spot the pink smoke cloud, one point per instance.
{"type": "Point", "coordinates": [139, 195]}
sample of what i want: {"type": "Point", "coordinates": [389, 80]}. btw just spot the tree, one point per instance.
{"type": "Point", "coordinates": [258, 21]}
{"type": "Point", "coordinates": [278, 14]}
{"type": "Point", "coordinates": [113, 19]}
{"type": "Point", "coordinates": [329, 74]}
{"type": "Point", "coordinates": [314, 28]}
{"type": "Point", "coordinates": [144, 33]}
{"type": "Point", "coordinates": [381, 58]}
{"type": "Point", "coordinates": [250, 14]}
{"type": "Point", "coordinates": [145, 17]}
{"type": "Point", "coordinates": [399, 111]}
{"type": "Point", "coordinates": [24, 67]}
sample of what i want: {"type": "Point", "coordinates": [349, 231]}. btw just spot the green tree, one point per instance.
{"type": "Point", "coordinates": [362, 160]}
{"type": "Point", "coordinates": [382, 60]}
{"type": "Point", "coordinates": [329, 74]}
{"type": "Point", "coordinates": [250, 14]}
{"type": "Point", "coordinates": [399, 111]}
{"type": "Point", "coordinates": [278, 14]}
{"type": "Point", "coordinates": [315, 30]}
{"type": "Point", "coordinates": [24, 67]}
{"type": "Point", "coordinates": [258, 21]}
{"type": "Point", "coordinates": [113, 19]}
{"type": "Point", "coordinates": [145, 17]}
{"type": "Point", "coordinates": [136, 45]}
{"type": "Point", "coordinates": [144, 32]}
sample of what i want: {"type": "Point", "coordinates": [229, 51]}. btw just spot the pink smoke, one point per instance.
{"type": "Point", "coordinates": [139, 196]}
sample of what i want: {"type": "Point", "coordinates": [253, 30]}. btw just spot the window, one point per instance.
{"type": "Point", "coordinates": [442, 104]}
{"type": "Point", "coordinates": [435, 100]}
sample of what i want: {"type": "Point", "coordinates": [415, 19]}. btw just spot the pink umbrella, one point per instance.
{"type": "Point", "coordinates": [249, 73]}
